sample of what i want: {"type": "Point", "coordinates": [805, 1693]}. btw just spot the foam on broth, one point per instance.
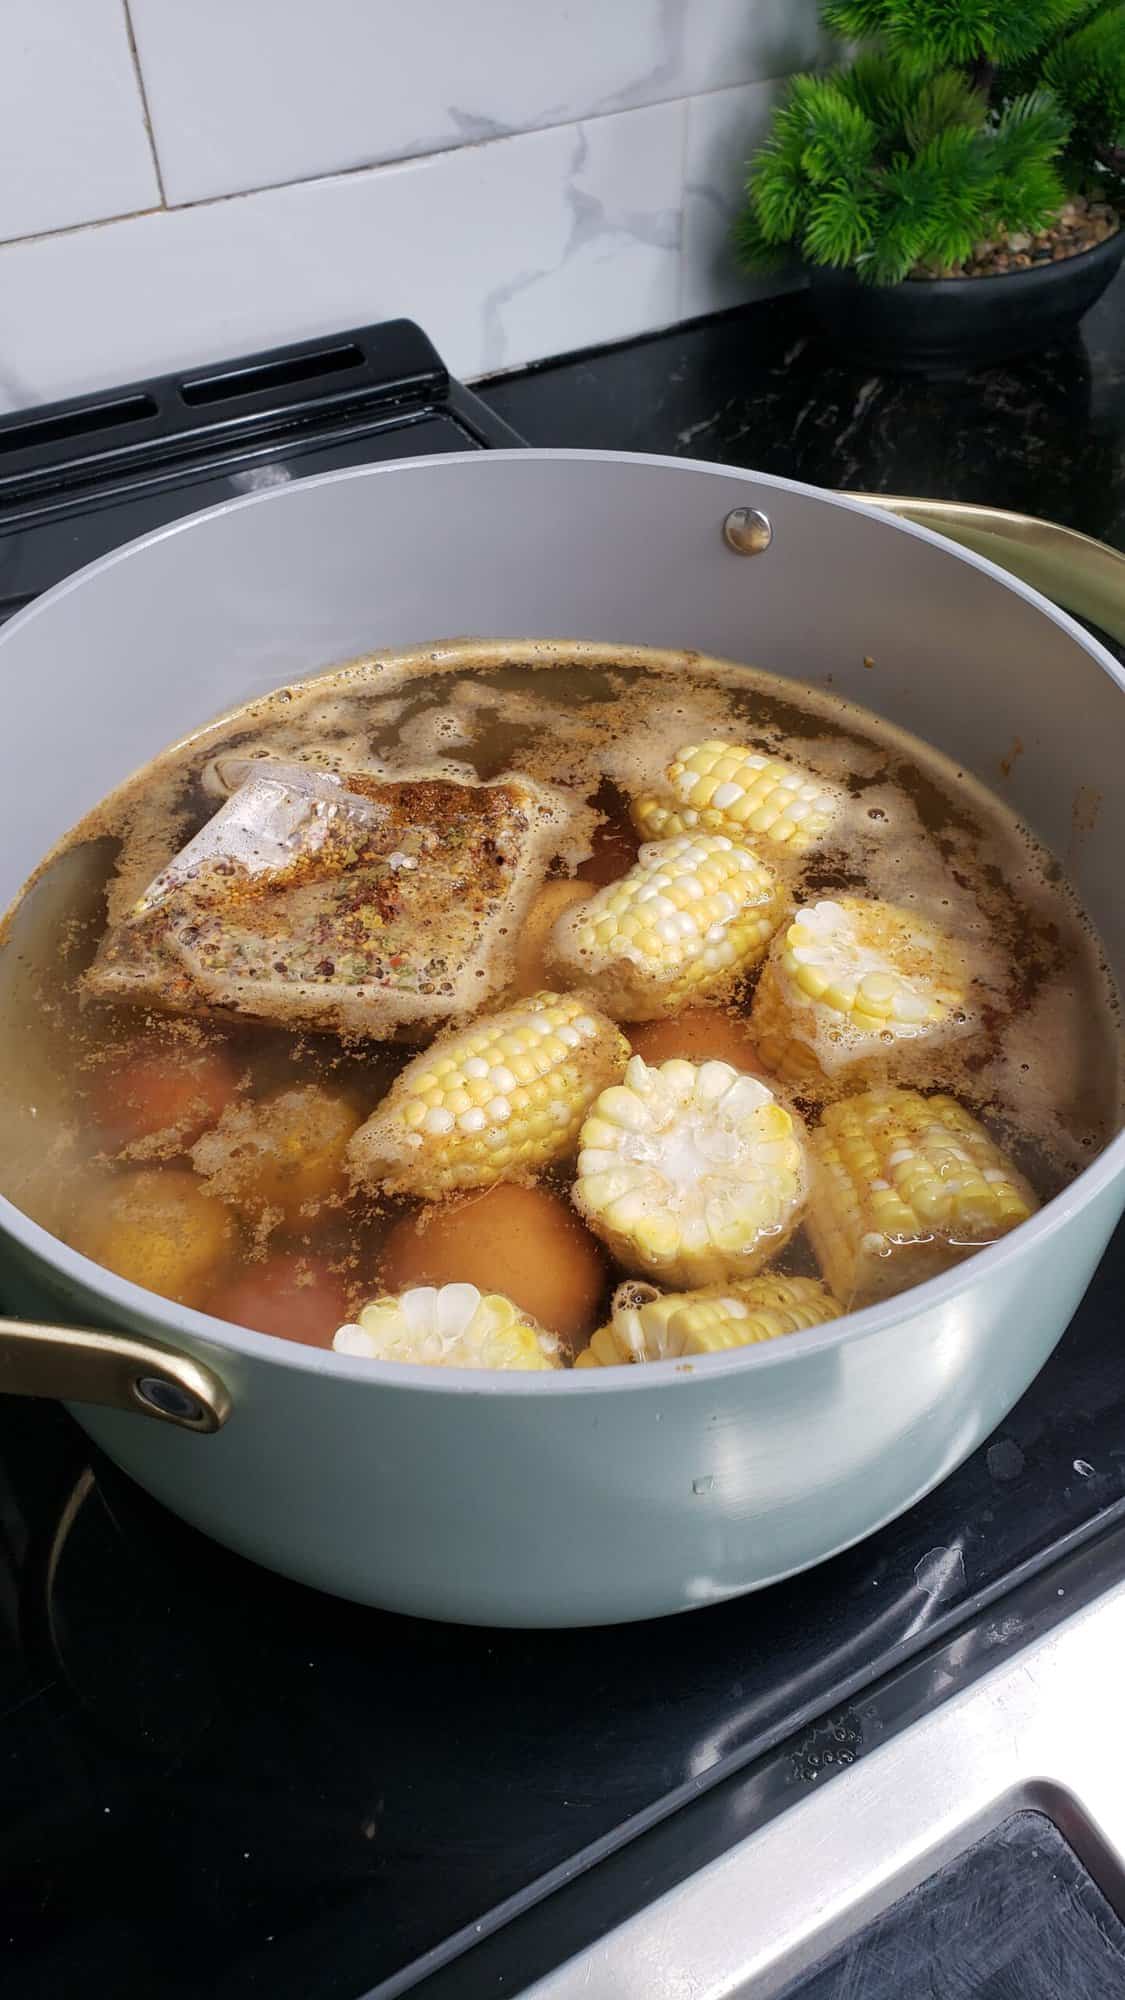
{"type": "Point", "coordinates": [1043, 1067]}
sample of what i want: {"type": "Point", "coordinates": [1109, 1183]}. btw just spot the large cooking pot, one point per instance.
{"type": "Point", "coordinates": [592, 1496]}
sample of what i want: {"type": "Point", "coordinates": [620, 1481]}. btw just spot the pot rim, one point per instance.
{"type": "Point", "coordinates": [173, 1323]}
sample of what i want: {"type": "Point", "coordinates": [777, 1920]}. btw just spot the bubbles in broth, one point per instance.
{"type": "Point", "coordinates": [807, 1048]}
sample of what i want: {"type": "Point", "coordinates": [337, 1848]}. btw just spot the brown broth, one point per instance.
{"type": "Point", "coordinates": [1043, 1070]}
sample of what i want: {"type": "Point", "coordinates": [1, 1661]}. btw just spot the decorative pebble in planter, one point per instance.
{"type": "Point", "coordinates": [1080, 225]}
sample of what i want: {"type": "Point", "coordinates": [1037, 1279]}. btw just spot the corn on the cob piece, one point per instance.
{"type": "Point", "coordinates": [499, 1098]}
{"type": "Point", "coordinates": [728, 788]}
{"type": "Point", "coordinates": [904, 1186]}
{"type": "Point", "coordinates": [694, 1173]}
{"type": "Point", "coordinates": [647, 1325]}
{"type": "Point", "coordinates": [451, 1326]}
{"type": "Point", "coordinates": [855, 992]}
{"type": "Point", "coordinates": [687, 919]}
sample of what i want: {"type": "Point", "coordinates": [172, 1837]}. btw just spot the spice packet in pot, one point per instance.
{"type": "Point", "coordinates": [361, 904]}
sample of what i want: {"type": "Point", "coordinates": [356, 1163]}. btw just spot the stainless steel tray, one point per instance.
{"type": "Point", "coordinates": [1041, 1732]}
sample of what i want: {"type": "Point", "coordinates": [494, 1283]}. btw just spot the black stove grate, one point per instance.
{"type": "Point", "coordinates": [80, 478]}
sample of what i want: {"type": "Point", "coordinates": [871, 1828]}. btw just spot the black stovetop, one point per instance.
{"type": "Point", "coordinates": [218, 1783]}
{"type": "Point", "coordinates": [79, 478]}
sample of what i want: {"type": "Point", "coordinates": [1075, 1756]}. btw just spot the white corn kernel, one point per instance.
{"type": "Point", "coordinates": [450, 1326]}
{"type": "Point", "coordinates": [695, 1173]}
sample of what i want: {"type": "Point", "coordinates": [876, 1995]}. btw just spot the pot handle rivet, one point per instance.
{"type": "Point", "coordinates": [170, 1399]}
{"type": "Point", "coordinates": [747, 531]}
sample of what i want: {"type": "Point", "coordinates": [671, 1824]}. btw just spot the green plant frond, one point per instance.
{"type": "Point", "coordinates": [840, 141]}
{"type": "Point", "coordinates": [1015, 76]}
{"type": "Point", "coordinates": [877, 86]}
{"type": "Point", "coordinates": [1032, 201]}
{"type": "Point", "coordinates": [1028, 26]}
{"type": "Point", "coordinates": [840, 224]}
{"type": "Point", "coordinates": [817, 137]}
{"type": "Point", "coordinates": [925, 35]}
{"type": "Point", "coordinates": [937, 34]}
{"type": "Point", "coordinates": [785, 144]}
{"type": "Point", "coordinates": [805, 90]}
{"type": "Point", "coordinates": [907, 199]}
{"type": "Point", "coordinates": [1086, 71]}
{"type": "Point", "coordinates": [946, 100]}
{"type": "Point", "coordinates": [777, 200]}
{"type": "Point", "coordinates": [958, 167]}
{"type": "Point", "coordinates": [1030, 128]}
{"type": "Point", "coordinates": [753, 249]}
{"type": "Point", "coordinates": [776, 183]}
{"type": "Point", "coordinates": [853, 20]}
{"type": "Point", "coordinates": [1023, 147]}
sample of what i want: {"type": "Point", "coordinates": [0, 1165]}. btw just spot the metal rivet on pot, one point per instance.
{"type": "Point", "coordinates": [169, 1399]}
{"type": "Point", "coordinates": [747, 531]}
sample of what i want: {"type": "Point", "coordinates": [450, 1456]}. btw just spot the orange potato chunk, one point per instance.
{"type": "Point", "coordinates": [293, 1296]}
{"type": "Point", "coordinates": [160, 1228]}
{"type": "Point", "coordinates": [169, 1096]}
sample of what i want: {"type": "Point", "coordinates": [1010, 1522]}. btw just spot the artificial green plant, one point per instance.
{"type": "Point", "coordinates": [953, 122]}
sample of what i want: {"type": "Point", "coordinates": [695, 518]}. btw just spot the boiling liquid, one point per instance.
{"type": "Point", "coordinates": [1042, 1067]}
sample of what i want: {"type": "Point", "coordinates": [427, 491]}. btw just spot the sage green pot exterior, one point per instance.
{"type": "Point", "coordinates": [588, 1497]}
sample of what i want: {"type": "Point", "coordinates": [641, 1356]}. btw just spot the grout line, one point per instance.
{"type": "Point", "coordinates": [681, 264]}
{"type": "Point", "coordinates": [167, 207]}
{"type": "Point", "coordinates": [139, 73]}
{"type": "Point", "coordinates": [80, 228]}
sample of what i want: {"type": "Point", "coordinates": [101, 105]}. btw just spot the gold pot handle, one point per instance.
{"type": "Point", "coordinates": [1081, 575]}
{"type": "Point", "coordinates": [79, 1365]}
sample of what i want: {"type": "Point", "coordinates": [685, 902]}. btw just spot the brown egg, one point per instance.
{"type": "Point", "coordinates": [158, 1227]}
{"type": "Point", "coordinates": [285, 1154]}
{"type": "Point", "coordinates": [521, 1241]}
{"type": "Point", "coordinates": [553, 899]}
{"type": "Point", "coordinates": [698, 1034]}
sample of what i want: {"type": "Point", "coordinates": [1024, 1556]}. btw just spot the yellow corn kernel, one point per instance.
{"type": "Point", "coordinates": [449, 1326]}
{"type": "Point", "coordinates": [854, 992]}
{"type": "Point", "coordinates": [499, 1098]}
{"type": "Point", "coordinates": [687, 919]}
{"type": "Point", "coordinates": [903, 1187]}
{"type": "Point", "coordinates": [694, 1173]}
{"type": "Point", "coordinates": [647, 1325]}
{"type": "Point", "coordinates": [728, 788]}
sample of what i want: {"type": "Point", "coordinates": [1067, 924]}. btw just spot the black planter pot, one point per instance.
{"type": "Point", "coordinates": [946, 326]}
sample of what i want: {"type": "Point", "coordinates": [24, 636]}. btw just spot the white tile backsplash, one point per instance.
{"type": "Point", "coordinates": [723, 129]}
{"type": "Point", "coordinates": [250, 93]}
{"type": "Point", "coordinates": [292, 95]}
{"type": "Point", "coordinates": [746, 41]}
{"type": "Point", "coordinates": [73, 143]}
{"type": "Point", "coordinates": [504, 252]}
{"type": "Point", "coordinates": [523, 178]}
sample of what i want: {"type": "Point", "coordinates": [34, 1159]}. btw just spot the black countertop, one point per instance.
{"type": "Point", "coordinates": [757, 387]}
